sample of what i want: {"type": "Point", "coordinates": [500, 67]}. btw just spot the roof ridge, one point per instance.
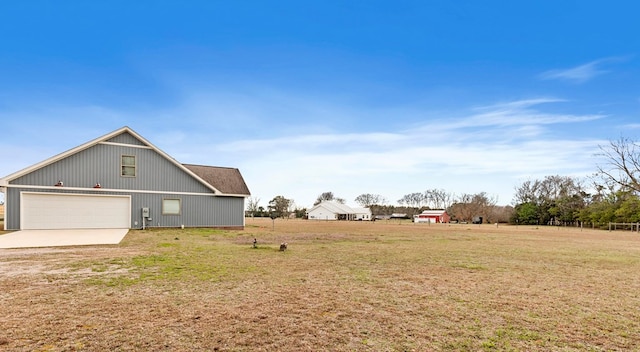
{"type": "Point", "coordinates": [220, 167]}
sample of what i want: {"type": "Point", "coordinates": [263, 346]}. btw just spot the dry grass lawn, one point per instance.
{"type": "Point", "coordinates": [343, 286]}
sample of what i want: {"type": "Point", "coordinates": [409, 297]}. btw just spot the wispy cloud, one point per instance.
{"type": "Point", "coordinates": [485, 149]}
{"type": "Point", "coordinates": [522, 118]}
{"type": "Point", "coordinates": [521, 113]}
{"type": "Point", "coordinates": [581, 73]}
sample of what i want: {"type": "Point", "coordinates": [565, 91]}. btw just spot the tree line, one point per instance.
{"type": "Point", "coordinates": [461, 208]}
{"type": "Point", "coordinates": [612, 194]}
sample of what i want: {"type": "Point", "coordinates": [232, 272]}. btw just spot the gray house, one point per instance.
{"type": "Point", "coordinates": [121, 180]}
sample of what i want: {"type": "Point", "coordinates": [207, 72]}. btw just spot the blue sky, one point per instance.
{"type": "Point", "coordinates": [352, 97]}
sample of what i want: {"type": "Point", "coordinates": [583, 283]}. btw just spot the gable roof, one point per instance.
{"type": "Point", "coordinates": [334, 207]}
{"type": "Point", "coordinates": [227, 180]}
{"type": "Point", "coordinates": [361, 210]}
{"type": "Point", "coordinates": [234, 183]}
{"type": "Point", "coordinates": [433, 212]}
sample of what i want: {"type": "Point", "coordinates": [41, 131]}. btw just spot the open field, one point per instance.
{"type": "Point", "coordinates": [343, 286]}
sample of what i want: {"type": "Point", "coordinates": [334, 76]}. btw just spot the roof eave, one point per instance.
{"type": "Point", "coordinates": [94, 142]}
{"type": "Point", "coordinates": [65, 154]}
{"type": "Point", "coordinates": [233, 195]}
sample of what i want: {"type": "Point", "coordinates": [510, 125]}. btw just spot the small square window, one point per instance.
{"type": "Point", "coordinates": [128, 166]}
{"type": "Point", "coordinates": [171, 207]}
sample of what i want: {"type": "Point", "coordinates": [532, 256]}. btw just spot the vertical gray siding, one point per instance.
{"type": "Point", "coordinates": [101, 164]}
{"type": "Point", "coordinates": [125, 138]}
{"type": "Point", "coordinates": [197, 211]}
{"type": "Point", "coordinates": [12, 209]}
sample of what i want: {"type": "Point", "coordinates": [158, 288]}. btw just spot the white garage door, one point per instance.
{"type": "Point", "coordinates": [74, 211]}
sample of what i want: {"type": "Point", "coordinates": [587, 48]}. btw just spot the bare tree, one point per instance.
{"type": "Point", "coordinates": [527, 192]}
{"type": "Point", "coordinates": [292, 206]}
{"type": "Point", "coordinates": [415, 200]}
{"type": "Point", "coordinates": [622, 163]}
{"type": "Point", "coordinates": [438, 198]}
{"type": "Point", "coordinates": [554, 187]}
{"type": "Point", "coordinates": [462, 208]}
{"type": "Point", "coordinates": [501, 213]}
{"type": "Point", "coordinates": [469, 206]}
{"type": "Point", "coordinates": [328, 196]}
{"type": "Point", "coordinates": [368, 199]}
{"type": "Point", "coordinates": [547, 190]}
{"type": "Point", "coordinates": [252, 205]}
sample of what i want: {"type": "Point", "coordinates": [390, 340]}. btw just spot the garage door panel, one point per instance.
{"type": "Point", "coordinates": [64, 211]}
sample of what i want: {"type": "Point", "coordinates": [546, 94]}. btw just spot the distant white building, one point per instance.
{"type": "Point", "coordinates": [363, 214]}
{"type": "Point", "coordinates": [336, 211]}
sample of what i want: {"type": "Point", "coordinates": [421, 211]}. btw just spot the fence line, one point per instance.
{"type": "Point", "coordinates": [624, 224]}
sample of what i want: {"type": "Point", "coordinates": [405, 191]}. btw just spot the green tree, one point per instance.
{"type": "Point", "coordinates": [566, 209]}
{"type": "Point", "coordinates": [300, 212]}
{"type": "Point", "coordinates": [618, 206]}
{"type": "Point", "coordinates": [628, 210]}
{"type": "Point", "coordinates": [600, 212]}
{"type": "Point", "coordinates": [279, 206]}
{"type": "Point", "coordinates": [526, 214]}
{"type": "Point", "coordinates": [557, 199]}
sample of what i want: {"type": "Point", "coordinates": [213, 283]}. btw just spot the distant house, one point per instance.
{"type": "Point", "coordinates": [363, 214]}
{"type": "Point", "coordinates": [432, 216]}
{"type": "Point", "coordinates": [328, 210]}
{"type": "Point", "coordinates": [121, 180]}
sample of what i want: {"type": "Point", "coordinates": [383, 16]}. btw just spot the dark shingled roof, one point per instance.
{"type": "Point", "coordinates": [225, 179]}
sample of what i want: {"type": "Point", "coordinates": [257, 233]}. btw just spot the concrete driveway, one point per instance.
{"type": "Point", "coordinates": [57, 238]}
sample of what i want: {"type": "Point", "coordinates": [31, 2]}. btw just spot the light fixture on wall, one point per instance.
{"type": "Point", "coordinates": [59, 184]}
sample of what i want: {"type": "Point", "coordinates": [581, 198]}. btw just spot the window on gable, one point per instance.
{"type": "Point", "coordinates": [128, 166]}
{"type": "Point", "coordinates": [171, 207]}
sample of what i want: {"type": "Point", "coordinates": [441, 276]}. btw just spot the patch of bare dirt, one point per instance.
{"type": "Point", "coordinates": [38, 261]}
